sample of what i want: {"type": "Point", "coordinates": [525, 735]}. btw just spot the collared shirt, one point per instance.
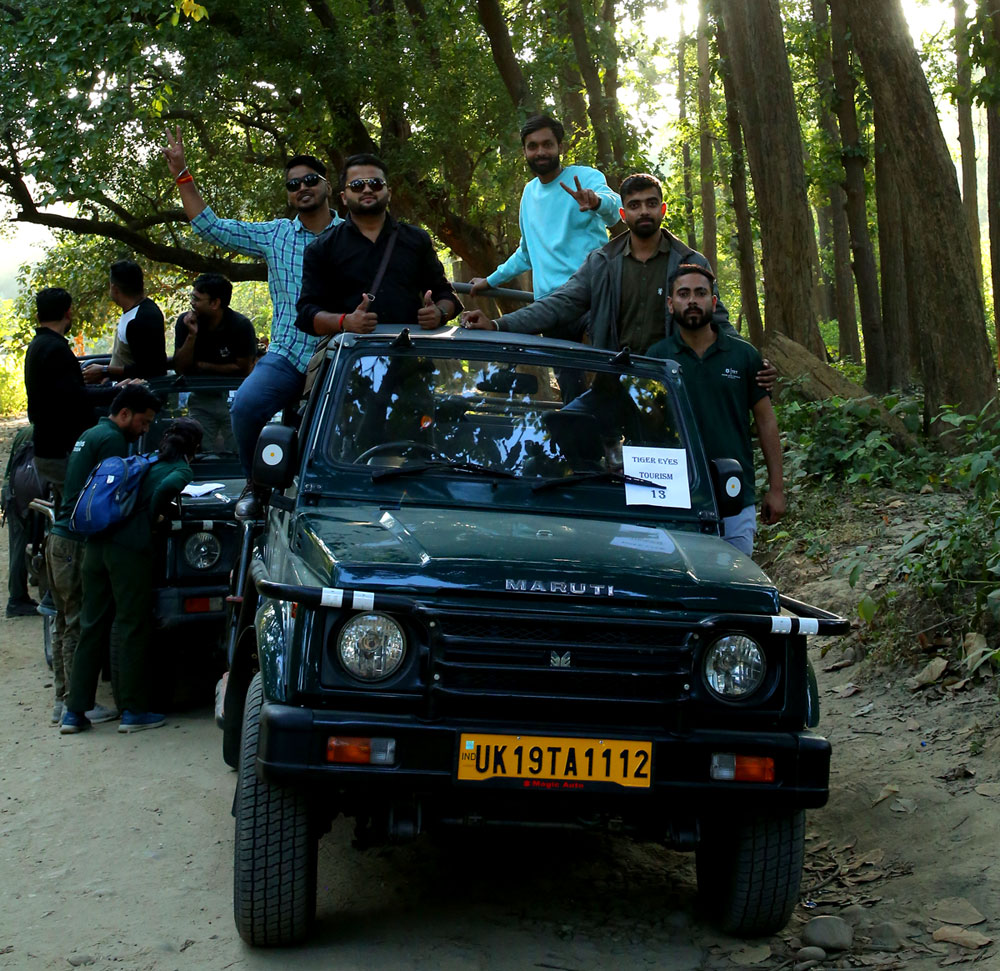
{"type": "Point", "coordinates": [282, 243]}
{"type": "Point", "coordinates": [342, 264]}
{"type": "Point", "coordinates": [722, 388]}
{"type": "Point", "coordinates": [640, 315]}
{"type": "Point", "coordinates": [94, 446]}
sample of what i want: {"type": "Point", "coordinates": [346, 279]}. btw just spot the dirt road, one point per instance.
{"type": "Point", "coordinates": [116, 853]}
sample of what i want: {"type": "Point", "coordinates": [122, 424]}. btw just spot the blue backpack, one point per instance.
{"type": "Point", "coordinates": [110, 493]}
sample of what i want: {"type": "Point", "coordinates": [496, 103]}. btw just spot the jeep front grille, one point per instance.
{"type": "Point", "coordinates": [523, 666]}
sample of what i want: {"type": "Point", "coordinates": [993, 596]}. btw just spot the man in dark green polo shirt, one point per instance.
{"type": "Point", "coordinates": [132, 412]}
{"type": "Point", "coordinates": [720, 373]}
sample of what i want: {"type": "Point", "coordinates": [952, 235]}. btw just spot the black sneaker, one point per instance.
{"type": "Point", "coordinates": [22, 608]}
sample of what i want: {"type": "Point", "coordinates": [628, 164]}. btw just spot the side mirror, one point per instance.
{"type": "Point", "coordinates": [276, 458]}
{"type": "Point", "coordinates": [727, 480]}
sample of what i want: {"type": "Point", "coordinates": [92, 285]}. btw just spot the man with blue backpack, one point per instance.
{"type": "Point", "coordinates": [132, 412]}
{"type": "Point", "coordinates": [118, 584]}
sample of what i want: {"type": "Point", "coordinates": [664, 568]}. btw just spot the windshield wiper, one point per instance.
{"type": "Point", "coordinates": [603, 476]}
{"type": "Point", "coordinates": [416, 468]}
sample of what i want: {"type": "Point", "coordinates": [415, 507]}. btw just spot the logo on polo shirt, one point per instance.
{"type": "Point", "coordinates": [731, 373]}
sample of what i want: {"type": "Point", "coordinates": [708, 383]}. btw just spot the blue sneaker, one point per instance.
{"type": "Point", "coordinates": [73, 722]}
{"type": "Point", "coordinates": [139, 721]}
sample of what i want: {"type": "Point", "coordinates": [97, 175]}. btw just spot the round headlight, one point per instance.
{"type": "Point", "coordinates": [202, 550]}
{"type": "Point", "coordinates": [734, 666]}
{"type": "Point", "coordinates": [371, 646]}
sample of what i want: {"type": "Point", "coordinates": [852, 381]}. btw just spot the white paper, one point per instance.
{"type": "Point", "coordinates": [667, 467]}
{"type": "Point", "coordinates": [197, 489]}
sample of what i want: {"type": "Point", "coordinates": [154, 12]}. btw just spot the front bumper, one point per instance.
{"type": "Point", "coordinates": [293, 744]}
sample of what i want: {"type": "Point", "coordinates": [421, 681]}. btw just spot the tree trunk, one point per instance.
{"type": "Point", "coordinates": [902, 354]}
{"type": "Point", "coordinates": [854, 162]}
{"type": "Point", "coordinates": [824, 234]}
{"type": "Point", "coordinates": [992, 20]}
{"type": "Point", "coordinates": [816, 292]}
{"type": "Point", "coordinates": [946, 297]}
{"type": "Point", "coordinates": [596, 106]}
{"type": "Point", "coordinates": [709, 231]}
{"type": "Point", "coordinates": [738, 183]}
{"type": "Point", "coordinates": [849, 345]}
{"type": "Point", "coordinates": [770, 125]}
{"type": "Point", "coordinates": [966, 133]}
{"type": "Point", "coordinates": [692, 239]}
{"type": "Point", "coordinates": [492, 19]}
{"type": "Point", "coordinates": [610, 63]}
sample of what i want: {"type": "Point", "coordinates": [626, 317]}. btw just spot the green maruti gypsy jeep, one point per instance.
{"type": "Point", "coordinates": [488, 587]}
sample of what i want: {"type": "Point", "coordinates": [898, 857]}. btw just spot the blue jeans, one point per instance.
{"type": "Point", "coordinates": [740, 529]}
{"type": "Point", "coordinates": [272, 385]}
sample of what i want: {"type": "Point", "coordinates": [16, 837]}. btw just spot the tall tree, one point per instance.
{"type": "Point", "coordinates": [849, 345]}
{"type": "Point", "coordinates": [902, 339]}
{"type": "Point", "coordinates": [944, 292]}
{"type": "Point", "coordinates": [738, 184]}
{"type": "Point", "coordinates": [989, 42]}
{"type": "Point", "coordinates": [774, 147]}
{"type": "Point", "coordinates": [682, 96]}
{"type": "Point", "coordinates": [966, 131]}
{"type": "Point", "coordinates": [854, 160]}
{"type": "Point", "coordinates": [706, 159]}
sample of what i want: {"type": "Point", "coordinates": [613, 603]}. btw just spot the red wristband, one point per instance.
{"type": "Point", "coordinates": [340, 324]}
{"type": "Point", "coordinates": [184, 179]}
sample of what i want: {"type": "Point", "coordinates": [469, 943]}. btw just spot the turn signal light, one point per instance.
{"type": "Point", "coordinates": [202, 605]}
{"type": "Point", "coordinates": [361, 751]}
{"type": "Point", "coordinates": [728, 767]}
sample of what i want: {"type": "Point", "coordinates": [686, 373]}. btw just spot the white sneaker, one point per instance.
{"type": "Point", "coordinates": [57, 712]}
{"type": "Point", "coordinates": [99, 714]}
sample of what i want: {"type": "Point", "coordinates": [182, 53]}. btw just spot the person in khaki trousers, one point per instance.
{"type": "Point", "coordinates": [132, 412]}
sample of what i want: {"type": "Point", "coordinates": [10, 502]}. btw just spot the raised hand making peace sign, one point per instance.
{"type": "Point", "coordinates": [588, 199]}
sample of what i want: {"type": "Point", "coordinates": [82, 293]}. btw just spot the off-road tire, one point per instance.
{"type": "Point", "coordinates": [749, 871]}
{"type": "Point", "coordinates": [274, 864]}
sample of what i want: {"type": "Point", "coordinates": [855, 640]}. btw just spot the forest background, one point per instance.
{"type": "Point", "coordinates": [800, 144]}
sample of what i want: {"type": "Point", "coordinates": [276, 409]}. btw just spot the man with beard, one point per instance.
{"type": "Point", "coordinates": [211, 338]}
{"type": "Point", "coordinates": [563, 216]}
{"type": "Point", "coordinates": [279, 375]}
{"type": "Point", "coordinates": [719, 371]}
{"type": "Point", "coordinates": [371, 267]}
{"type": "Point", "coordinates": [623, 284]}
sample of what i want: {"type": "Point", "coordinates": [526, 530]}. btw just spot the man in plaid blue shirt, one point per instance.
{"type": "Point", "coordinates": [277, 379]}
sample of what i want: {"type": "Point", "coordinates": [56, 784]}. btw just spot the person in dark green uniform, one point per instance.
{"type": "Point", "coordinates": [720, 373]}
{"type": "Point", "coordinates": [132, 412]}
{"type": "Point", "coordinates": [117, 585]}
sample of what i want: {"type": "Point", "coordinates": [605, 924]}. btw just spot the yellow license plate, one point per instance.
{"type": "Point", "coordinates": [541, 762]}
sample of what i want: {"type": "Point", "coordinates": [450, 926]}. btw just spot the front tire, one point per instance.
{"type": "Point", "coordinates": [749, 871]}
{"type": "Point", "coordinates": [274, 862]}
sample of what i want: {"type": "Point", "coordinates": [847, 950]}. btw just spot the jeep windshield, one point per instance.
{"type": "Point", "coordinates": [555, 433]}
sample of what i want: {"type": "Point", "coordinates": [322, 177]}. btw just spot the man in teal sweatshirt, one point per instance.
{"type": "Point", "coordinates": [565, 213]}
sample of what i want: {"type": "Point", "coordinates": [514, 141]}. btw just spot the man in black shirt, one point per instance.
{"type": "Point", "coordinates": [139, 349]}
{"type": "Point", "coordinates": [211, 338]}
{"type": "Point", "coordinates": [60, 406]}
{"type": "Point", "coordinates": [339, 286]}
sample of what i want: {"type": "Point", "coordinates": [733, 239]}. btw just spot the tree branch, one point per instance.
{"type": "Point", "coordinates": [491, 17]}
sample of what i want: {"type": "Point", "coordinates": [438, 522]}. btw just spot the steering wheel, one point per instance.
{"type": "Point", "coordinates": [399, 447]}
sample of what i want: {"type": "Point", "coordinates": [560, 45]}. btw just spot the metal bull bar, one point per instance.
{"type": "Point", "coordinates": [497, 293]}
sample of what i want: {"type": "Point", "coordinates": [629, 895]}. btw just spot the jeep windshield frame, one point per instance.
{"type": "Point", "coordinates": [542, 410]}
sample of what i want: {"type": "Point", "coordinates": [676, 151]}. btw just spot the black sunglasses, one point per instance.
{"type": "Point", "coordinates": [376, 184]}
{"type": "Point", "coordinates": [310, 180]}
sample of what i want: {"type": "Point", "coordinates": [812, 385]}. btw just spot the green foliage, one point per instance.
{"type": "Point", "coordinates": [12, 343]}
{"type": "Point", "coordinates": [844, 440]}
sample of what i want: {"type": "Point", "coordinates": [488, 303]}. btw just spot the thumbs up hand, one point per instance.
{"type": "Point", "coordinates": [429, 316]}
{"type": "Point", "coordinates": [361, 321]}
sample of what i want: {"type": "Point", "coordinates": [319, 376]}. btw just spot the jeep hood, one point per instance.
{"type": "Point", "coordinates": [423, 550]}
